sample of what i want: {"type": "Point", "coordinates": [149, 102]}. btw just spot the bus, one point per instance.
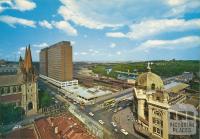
{"type": "Point", "coordinates": [109, 102]}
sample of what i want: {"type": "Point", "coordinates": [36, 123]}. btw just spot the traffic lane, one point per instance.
{"type": "Point", "coordinates": [103, 115]}
{"type": "Point", "coordinates": [106, 116]}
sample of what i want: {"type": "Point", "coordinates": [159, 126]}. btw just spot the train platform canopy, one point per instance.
{"type": "Point", "coordinates": [175, 87]}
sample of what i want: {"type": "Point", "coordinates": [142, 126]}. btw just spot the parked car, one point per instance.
{"type": "Point", "coordinates": [124, 131]}
{"type": "Point", "coordinates": [114, 124]}
{"type": "Point", "coordinates": [17, 127]}
{"type": "Point", "coordinates": [91, 114]}
{"type": "Point", "coordinates": [101, 122]}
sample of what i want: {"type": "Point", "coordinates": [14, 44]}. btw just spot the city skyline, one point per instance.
{"type": "Point", "coordinates": [102, 31]}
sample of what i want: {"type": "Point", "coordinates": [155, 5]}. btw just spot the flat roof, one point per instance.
{"type": "Point", "coordinates": [175, 86]}
{"type": "Point", "coordinates": [87, 93]}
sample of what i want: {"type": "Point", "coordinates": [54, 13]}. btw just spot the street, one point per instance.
{"type": "Point", "coordinates": [103, 114]}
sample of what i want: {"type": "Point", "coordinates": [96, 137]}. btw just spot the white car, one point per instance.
{"type": "Point", "coordinates": [101, 122]}
{"type": "Point", "coordinates": [16, 127]}
{"type": "Point", "coordinates": [119, 108]}
{"type": "Point", "coordinates": [124, 131]}
{"type": "Point", "coordinates": [113, 123]}
{"type": "Point", "coordinates": [115, 111]}
{"type": "Point", "coordinates": [115, 130]}
{"type": "Point", "coordinates": [91, 114]}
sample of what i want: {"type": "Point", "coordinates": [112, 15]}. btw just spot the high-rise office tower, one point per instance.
{"type": "Point", "coordinates": [44, 61]}
{"type": "Point", "coordinates": [56, 61]}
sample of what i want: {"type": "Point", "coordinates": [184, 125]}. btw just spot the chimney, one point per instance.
{"type": "Point", "coordinates": [56, 130]}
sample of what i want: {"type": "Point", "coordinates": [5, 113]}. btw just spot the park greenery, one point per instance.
{"type": "Point", "coordinates": [45, 99]}
{"type": "Point", "coordinates": [9, 114]}
{"type": "Point", "coordinates": [163, 68]}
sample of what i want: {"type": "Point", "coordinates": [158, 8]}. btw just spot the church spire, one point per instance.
{"type": "Point", "coordinates": [28, 60]}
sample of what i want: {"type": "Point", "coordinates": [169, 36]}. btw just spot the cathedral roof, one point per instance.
{"type": "Point", "coordinates": [8, 80]}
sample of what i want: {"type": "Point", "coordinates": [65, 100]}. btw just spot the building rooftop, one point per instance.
{"type": "Point", "coordinates": [6, 80]}
{"type": "Point", "coordinates": [175, 87]}
{"type": "Point", "coordinates": [11, 98]}
{"type": "Point", "coordinates": [63, 126]}
{"type": "Point", "coordinates": [87, 93]}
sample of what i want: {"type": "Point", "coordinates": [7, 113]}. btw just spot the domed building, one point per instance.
{"type": "Point", "coordinates": [150, 105]}
{"type": "Point", "coordinates": [149, 81]}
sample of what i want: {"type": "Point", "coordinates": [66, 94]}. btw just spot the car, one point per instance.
{"type": "Point", "coordinates": [101, 122]}
{"type": "Point", "coordinates": [124, 131]}
{"type": "Point", "coordinates": [91, 114]}
{"type": "Point", "coordinates": [115, 130]}
{"type": "Point", "coordinates": [119, 108]}
{"type": "Point", "coordinates": [114, 124]}
{"type": "Point", "coordinates": [17, 127]}
{"type": "Point", "coordinates": [109, 109]}
{"type": "Point", "coordinates": [115, 111]}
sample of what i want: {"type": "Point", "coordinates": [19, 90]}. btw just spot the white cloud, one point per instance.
{"type": "Point", "coordinates": [104, 13]}
{"type": "Point", "coordinates": [119, 53]}
{"type": "Point", "coordinates": [72, 43]}
{"type": "Point", "coordinates": [12, 21]}
{"type": "Point", "coordinates": [37, 51]}
{"type": "Point", "coordinates": [181, 43]}
{"type": "Point", "coordinates": [24, 5]}
{"type": "Point", "coordinates": [41, 45]}
{"type": "Point", "coordinates": [112, 45]}
{"type": "Point", "coordinates": [22, 48]}
{"type": "Point", "coordinates": [91, 51]}
{"type": "Point", "coordinates": [21, 5]}
{"type": "Point", "coordinates": [116, 34]}
{"type": "Point", "coordinates": [75, 53]}
{"type": "Point", "coordinates": [83, 53]}
{"type": "Point", "coordinates": [180, 7]}
{"type": "Point", "coordinates": [66, 27]}
{"type": "Point", "coordinates": [70, 10]}
{"type": "Point", "coordinates": [45, 24]}
{"type": "Point", "coordinates": [155, 27]}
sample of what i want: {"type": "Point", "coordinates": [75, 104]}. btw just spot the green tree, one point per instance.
{"type": "Point", "coordinates": [9, 113]}
{"type": "Point", "coordinates": [45, 99]}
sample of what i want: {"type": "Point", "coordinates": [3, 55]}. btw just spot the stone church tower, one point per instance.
{"type": "Point", "coordinates": [29, 87]}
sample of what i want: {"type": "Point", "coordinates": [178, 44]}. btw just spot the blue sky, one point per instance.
{"type": "Point", "coordinates": [115, 30]}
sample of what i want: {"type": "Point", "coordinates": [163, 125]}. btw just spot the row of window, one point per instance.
{"type": "Point", "coordinates": [7, 90]}
{"type": "Point", "coordinates": [13, 70]}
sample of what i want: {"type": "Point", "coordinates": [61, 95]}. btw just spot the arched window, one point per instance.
{"type": "Point", "coordinates": [8, 90]}
{"type": "Point", "coordinates": [30, 106]}
{"type": "Point", "coordinates": [2, 90]}
{"type": "Point", "coordinates": [20, 88]}
{"type": "Point", "coordinates": [14, 89]}
{"type": "Point", "coordinates": [153, 86]}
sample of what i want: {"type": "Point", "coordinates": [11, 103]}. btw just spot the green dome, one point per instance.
{"type": "Point", "coordinates": [149, 80]}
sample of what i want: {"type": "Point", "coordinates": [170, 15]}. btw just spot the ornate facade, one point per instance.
{"type": "Point", "coordinates": [155, 105]}
{"type": "Point", "coordinates": [151, 106]}
{"type": "Point", "coordinates": [22, 88]}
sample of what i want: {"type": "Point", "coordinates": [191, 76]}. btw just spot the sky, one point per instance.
{"type": "Point", "coordinates": [100, 31]}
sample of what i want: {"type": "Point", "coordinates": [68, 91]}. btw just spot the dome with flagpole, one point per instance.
{"type": "Point", "coordinates": [149, 80]}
